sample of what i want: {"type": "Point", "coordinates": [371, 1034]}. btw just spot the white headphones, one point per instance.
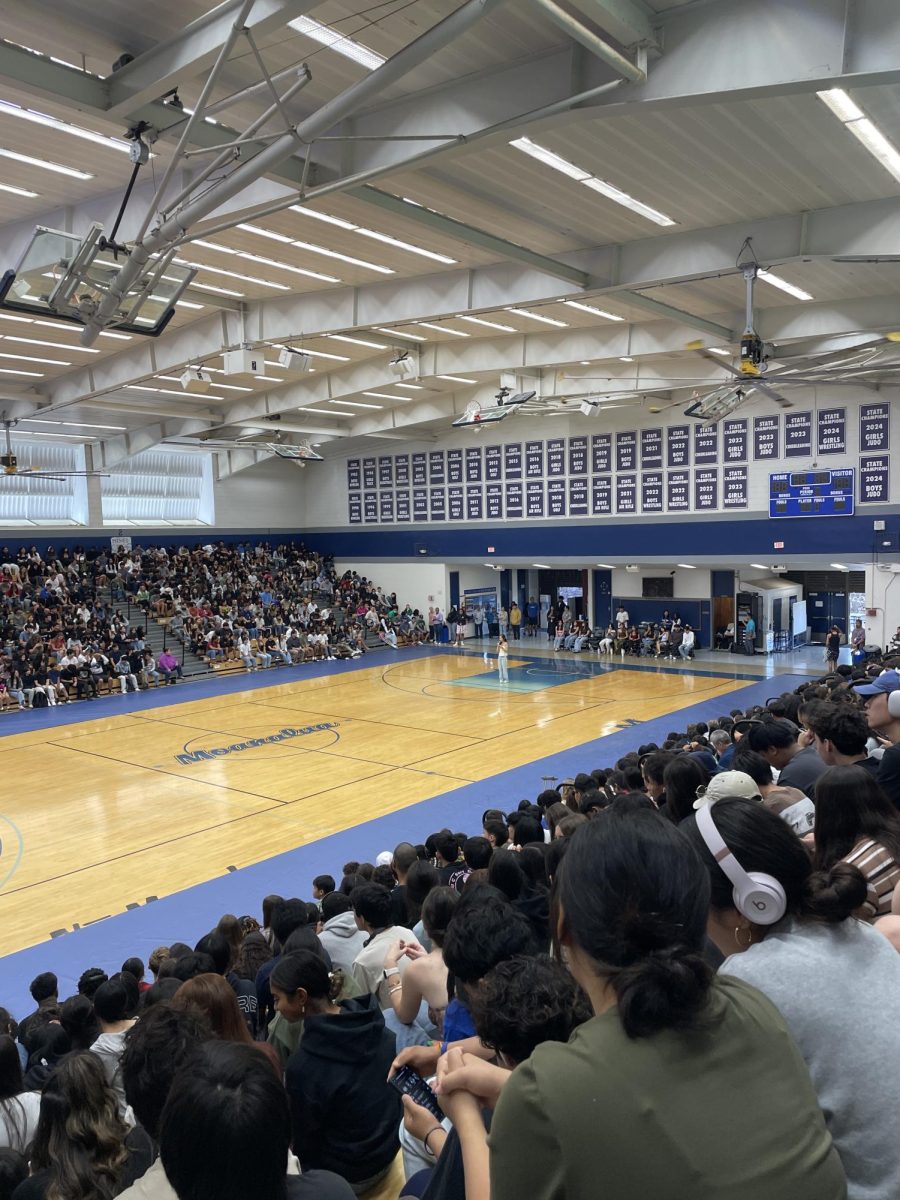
{"type": "Point", "coordinates": [758, 897]}
{"type": "Point", "coordinates": [894, 704]}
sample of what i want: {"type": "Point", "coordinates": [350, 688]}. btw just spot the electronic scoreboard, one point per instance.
{"type": "Point", "coordinates": [812, 493]}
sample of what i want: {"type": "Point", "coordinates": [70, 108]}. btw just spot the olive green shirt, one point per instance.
{"type": "Point", "coordinates": [726, 1112]}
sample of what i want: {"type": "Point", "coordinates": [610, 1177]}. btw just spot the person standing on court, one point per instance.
{"type": "Point", "coordinates": [515, 620]}
{"type": "Point", "coordinates": [503, 620]}
{"type": "Point", "coordinates": [833, 647]}
{"type": "Point", "coordinates": [750, 636]}
{"type": "Point", "coordinates": [502, 657]}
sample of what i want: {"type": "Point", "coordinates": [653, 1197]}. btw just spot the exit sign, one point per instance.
{"type": "Point", "coordinates": [778, 545]}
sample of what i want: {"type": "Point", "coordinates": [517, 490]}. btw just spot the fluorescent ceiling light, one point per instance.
{"type": "Point", "coordinates": [720, 350]}
{"type": "Point", "coordinates": [338, 42]}
{"type": "Point", "coordinates": [523, 312]}
{"type": "Point", "coordinates": [784, 286]}
{"type": "Point", "coordinates": [73, 424]}
{"type": "Point", "coordinates": [488, 324]}
{"type": "Point", "coordinates": [620, 197]}
{"type": "Point", "coordinates": [52, 345]}
{"type": "Point", "coordinates": [58, 168]}
{"type": "Point", "coordinates": [50, 362]}
{"type": "Point", "coordinates": [686, 566]}
{"type": "Point", "coordinates": [266, 262]}
{"type": "Point", "coordinates": [839, 566]}
{"type": "Point", "coordinates": [313, 249]}
{"type": "Point", "coordinates": [322, 354]}
{"type": "Point", "coordinates": [863, 129]}
{"type": "Point", "coordinates": [371, 233]}
{"type": "Point", "coordinates": [281, 287]}
{"type": "Point", "coordinates": [558, 163]}
{"type": "Point", "coordinates": [625, 358]}
{"type": "Point", "coordinates": [456, 379]}
{"type": "Point", "coordinates": [59, 326]}
{"type": "Point", "coordinates": [412, 387]}
{"type": "Point", "coordinates": [606, 566]}
{"type": "Point", "coordinates": [443, 329]}
{"type": "Point", "coordinates": [358, 404]}
{"type": "Point", "coordinates": [542, 566]}
{"type": "Point", "coordinates": [178, 303]}
{"type": "Point", "coordinates": [7, 109]}
{"type": "Point", "coordinates": [31, 374]}
{"type": "Point", "coordinates": [220, 291]}
{"type": "Point", "coordinates": [17, 191]}
{"type": "Point", "coordinates": [355, 341]}
{"type": "Point", "coordinates": [412, 337]}
{"type": "Point", "coordinates": [760, 566]}
{"type": "Point", "coordinates": [589, 308]}
{"type": "Point", "coordinates": [387, 396]}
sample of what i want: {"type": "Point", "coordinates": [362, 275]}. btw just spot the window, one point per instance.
{"type": "Point", "coordinates": [159, 488]}
{"type": "Point", "coordinates": [32, 500]}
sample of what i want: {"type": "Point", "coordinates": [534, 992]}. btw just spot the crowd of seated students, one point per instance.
{"type": "Point", "coordinates": [62, 637]}
{"type": "Point", "coordinates": [677, 975]}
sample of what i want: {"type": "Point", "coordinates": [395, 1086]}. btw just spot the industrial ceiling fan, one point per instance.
{"type": "Point", "coordinates": [9, 464]}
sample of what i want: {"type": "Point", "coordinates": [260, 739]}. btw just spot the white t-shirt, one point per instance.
{"type": "Point", "coordinates": [24, 1110]}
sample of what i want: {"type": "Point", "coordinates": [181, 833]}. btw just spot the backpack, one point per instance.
{"type": "Point", "coordinates": [39, 700]}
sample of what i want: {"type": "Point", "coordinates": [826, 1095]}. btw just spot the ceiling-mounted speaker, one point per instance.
{"type": "Point", "coordinates": [294, 360]}
{"type": "Point", "coordinates": [404, 365]}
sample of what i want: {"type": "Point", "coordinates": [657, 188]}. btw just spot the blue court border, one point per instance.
{"type": "Point", "coordinates": [187, 914]}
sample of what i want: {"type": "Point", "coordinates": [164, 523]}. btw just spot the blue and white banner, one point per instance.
{"type": "Point", "coordinates": [455, 505]}
{"type": "Point", "coordinates": [601, 495]}
{"type": "Point", "coordinates": [734, 487]}
{"type": "Point", "coordinates": [734, 439]}
{"type": "Point", "coordinates": [626, 494]}
{"type": "Point", "coordinates": [534, 460]}
{"type": "Point", "coordinates": [556, 498]}
{"type": "Point", "coordinates": [438, 504]}
{"type": "Point", "coordinates": [798, 435]}
{"type": "Point", "coordinates": [556, 457]}
{"type": "Point", "coordinates": [678, 446]}
{"type": "Point", "coordinates": [385, 471]}
{"type": "Point", "coordinates": [706, 489]}
{"type": "Point", "coordinates": [874, 479]}
{"type": "Point", "coordinates": [454, 466]}
{"type": "Point", "coordinates": [473, 464]}
{"type": "Point", "coordinates": [494, 502]}
{"type": "Point", "coordinates": [370, 473]}
{"type": "Point", "coordinates": [513, 460]}
{"type": "Point", "coordinates": [354, 508]}
{"type": "Point", "coordinates": [419, 470]}
{"type": "Point", "coordinates": [403, 510]}
{"type": "Point", "coordinates": [706, 444]}
{"type": "Point", "coordinates": [401, 470]}
{"type": "Point", "coordinates": [626, 451]}
{"type": "Point", "coordinates": [831, 427]}
{"type": "Point", "coordinates": [601, 453]}
{"type": "Point", "coordinates": [651, 448]}
{"type": "Point", "coordinates": [437, 472]}
{"type": "Point", "coordinates": [578, 455]}
{"type": "Point", "coordinates": [386, 507]}
{"type": "Point", "coordinates": [370, 508]}
{"type": "Point", "coordinates": [354, 475]}
{"type": "Point", "coordinates": [534, 499]}
{"type": "Point", "coordinates": [515, 499]}
{"type": "Point", "coordinates": [578, 496]}
{"type": "Point", "coordinates": [678, 491]}
{"type": "Point", "coordinates": [874, 427]}
{"type": "Point", "coordinates": [420, 502]}
{"type": "Point", "coordinates": [652, 491]}
{"type": "Point", "coordinates": [474, 502]}
{"type": "Point", "coordinates": [493, 463]}
{"type": "Point", "coordinates": [766, 439]}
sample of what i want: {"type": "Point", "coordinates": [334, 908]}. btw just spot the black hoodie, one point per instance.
{"type": "Point", "coordinates": [345, 1116]}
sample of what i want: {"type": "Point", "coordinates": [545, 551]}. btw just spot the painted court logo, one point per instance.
{"type": "Point", "coordinates": [283, 735]}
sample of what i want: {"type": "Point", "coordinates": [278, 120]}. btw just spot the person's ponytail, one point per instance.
{"type": "Point", "coordinates": [835, 894]}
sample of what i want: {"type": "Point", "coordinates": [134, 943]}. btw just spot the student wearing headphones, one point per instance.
{"type": "Point", "coordinates": [682, 1084]}
{"type": "Point", "coordinates": [788, 930]}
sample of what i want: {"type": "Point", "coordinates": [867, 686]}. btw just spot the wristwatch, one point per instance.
{"type": "Point", "coordinates": [389, 971]}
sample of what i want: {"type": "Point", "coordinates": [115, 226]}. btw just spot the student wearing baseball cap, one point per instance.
{"type": "Point", "coordinates": [876, 698]}
{"type": "Point", "coordinates": [728, 783]}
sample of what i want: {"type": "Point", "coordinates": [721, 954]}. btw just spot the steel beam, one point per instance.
{"type": "Point", "coordinates": [194, 49]}
{"type": "Point", "coordinates": [630, 22]}
{"type": "Point", "coordinates": [659, 309]}
{"type": "Point", "coordinates": [449, 227]}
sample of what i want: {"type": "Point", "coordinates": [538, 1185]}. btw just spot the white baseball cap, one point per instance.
{"type": "Point", "coordinates": [728, 783]}
{"type": "Point", "coordinates": [384, 859]}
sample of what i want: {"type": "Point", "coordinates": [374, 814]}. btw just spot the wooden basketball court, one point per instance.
{"type": "Point", "coordinates": [105, 812]}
